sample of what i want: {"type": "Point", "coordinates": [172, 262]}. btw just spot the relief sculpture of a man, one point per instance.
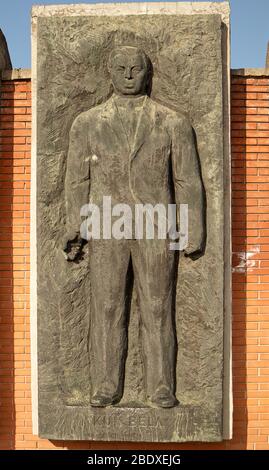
{"type": "Point", "coordinates": [136, 151]}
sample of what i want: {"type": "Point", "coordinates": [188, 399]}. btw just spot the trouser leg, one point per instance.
{"type": "Point", "coordinates": [109, 260]}
{"type": "Point", "coordinates": [154, 270]}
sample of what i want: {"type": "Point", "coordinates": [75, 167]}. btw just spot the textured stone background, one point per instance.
{"type": "Point", "coordinates": [72, 77]}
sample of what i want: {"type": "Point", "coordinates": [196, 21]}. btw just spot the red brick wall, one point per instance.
{"type": "Point", "coordinates": [250, 160]}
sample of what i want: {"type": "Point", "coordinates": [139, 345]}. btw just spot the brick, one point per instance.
{"type": "Point", "coordinates": [10, 111]}
{"type": "Point", "coordinates": [244, 125]}
{"type": "Point", "coordinates": [254, 118]}
{"type": "Point", "coordinates": [263, 126]}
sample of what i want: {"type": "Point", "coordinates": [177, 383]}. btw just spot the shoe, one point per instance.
{"type": "Point", "coordinates": [100, 399]}
{"type": "Point", "coordinates": [163, 398]}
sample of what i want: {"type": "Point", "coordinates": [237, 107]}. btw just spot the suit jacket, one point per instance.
{"type": "Point", "coordinates": [161, 167]}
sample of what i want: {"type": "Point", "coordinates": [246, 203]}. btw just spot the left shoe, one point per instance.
{"type": "Point", "coordinates": [163, 398]}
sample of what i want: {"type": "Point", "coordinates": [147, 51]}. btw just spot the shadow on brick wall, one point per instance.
{"type": "Point", "coordinates": [240, 224]}
{"type": "Point", "coordinates": [7, 404]}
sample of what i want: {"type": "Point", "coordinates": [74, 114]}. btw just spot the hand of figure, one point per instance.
{"type": "Point", "coordinates": [73, 245]}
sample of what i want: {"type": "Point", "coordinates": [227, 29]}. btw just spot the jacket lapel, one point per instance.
{"type": "Point", "coordinates": [144, 127]}
{"type": "Point", "coordinates": [111, 118]}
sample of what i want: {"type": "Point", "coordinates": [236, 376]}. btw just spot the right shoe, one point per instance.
{"type": "Point", "coordinates": [102, 399]}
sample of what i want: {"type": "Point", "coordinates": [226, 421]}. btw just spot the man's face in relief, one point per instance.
{"type": "Point", "coordinates": [128, 71]}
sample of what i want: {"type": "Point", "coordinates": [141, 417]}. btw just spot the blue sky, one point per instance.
{"type": "Point", "coordinates": [249, 22]}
